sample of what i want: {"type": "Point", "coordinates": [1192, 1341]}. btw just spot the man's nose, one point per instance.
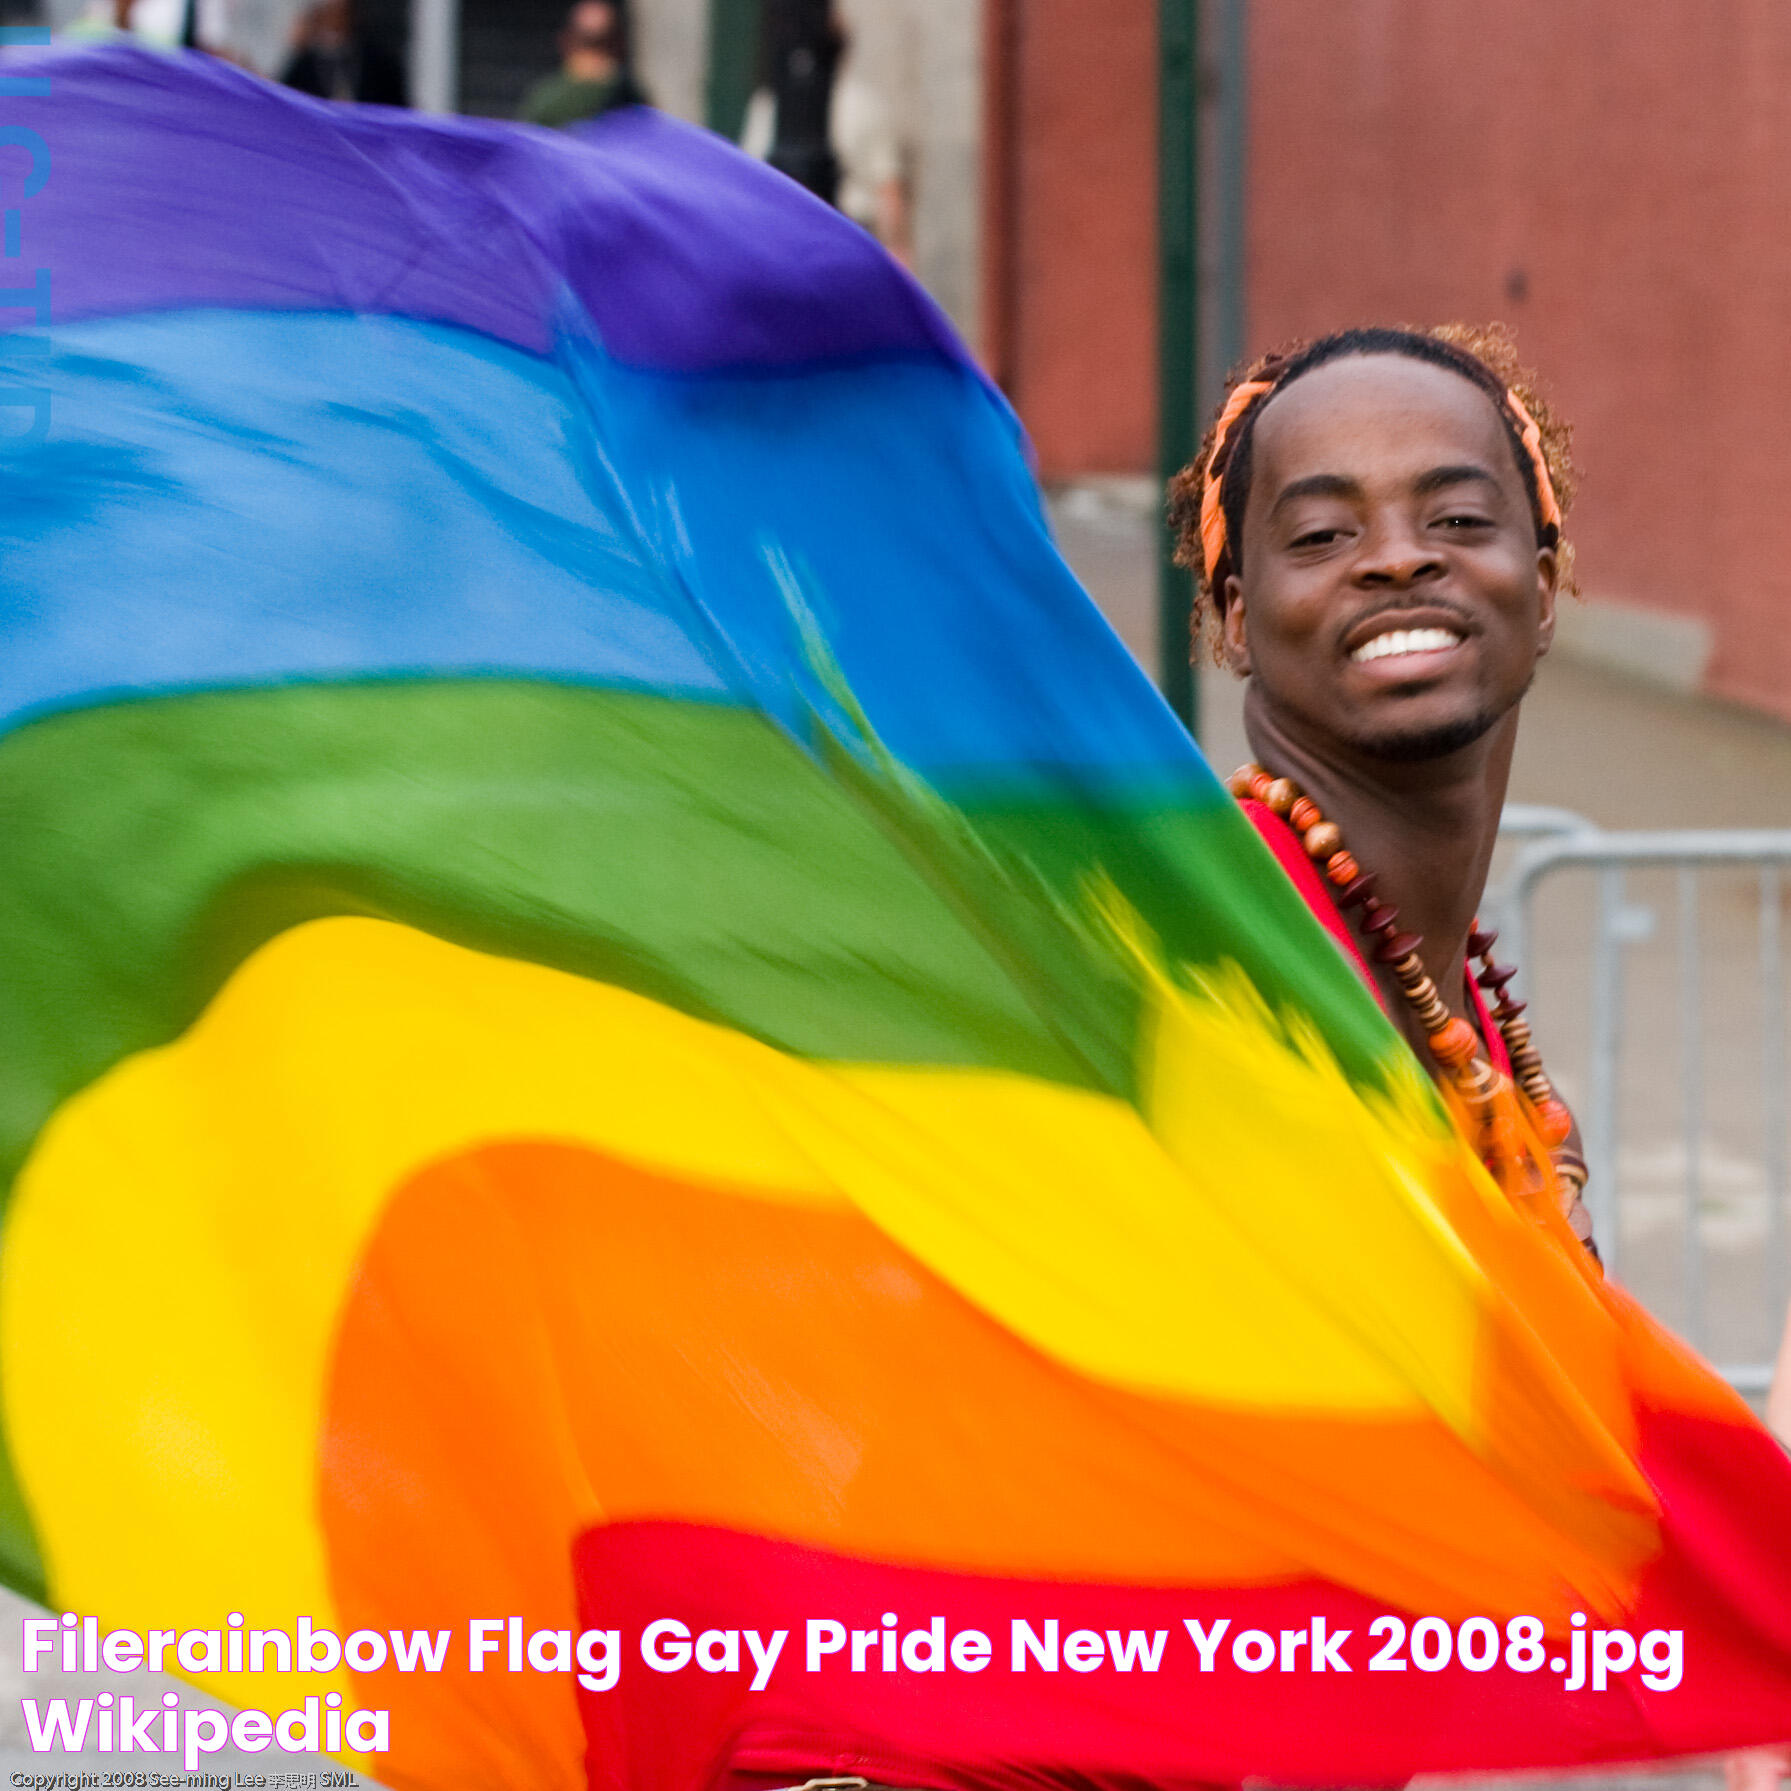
{"type": "Point", "coordinates": [1393, 554]}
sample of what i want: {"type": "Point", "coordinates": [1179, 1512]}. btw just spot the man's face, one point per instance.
{"type": "Point", "coordinates": [590, 27]}
{"type": "Point", "coordinates": [1394, 601]}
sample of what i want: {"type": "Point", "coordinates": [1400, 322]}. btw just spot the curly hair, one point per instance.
{"type": "Point", "coordinates": [1485, 355]}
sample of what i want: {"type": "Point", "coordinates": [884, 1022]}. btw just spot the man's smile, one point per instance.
{"type": "Point", "coordinates": [1408, 640]}
{"type": "Point", "coordinates": [1399, 643]}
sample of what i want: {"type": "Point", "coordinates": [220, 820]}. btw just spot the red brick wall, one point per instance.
{"type": "Point", "coordinates": [1070, 209]}
{"type": "Point", "coordinates": [1614, 178]}
{"type": "Point", "coordinates": [1611, 176]}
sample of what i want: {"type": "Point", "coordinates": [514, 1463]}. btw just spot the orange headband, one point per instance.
{"type": "Point", "coordinates": [1212, 512]}
{"type": "Point", "coordinates": [1545, 486]}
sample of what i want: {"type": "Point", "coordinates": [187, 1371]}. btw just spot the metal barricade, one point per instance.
{"type": "Point", "coordinates": [1676, 1089]}
{"type": "Point", "coordinates": [1534, 820]}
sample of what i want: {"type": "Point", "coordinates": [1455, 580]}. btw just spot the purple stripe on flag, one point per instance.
{"type": "Point", "coordinates": [685, 255]}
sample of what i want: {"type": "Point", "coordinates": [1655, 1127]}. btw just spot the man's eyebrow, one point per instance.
{"type": "Point", "coordinates": [1316, 485]}
{"type": "Point", "coordinates": [1440, 476]}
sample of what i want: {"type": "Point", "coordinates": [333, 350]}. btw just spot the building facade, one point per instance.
{"type": "Point", "coordinates": [1611, 178]}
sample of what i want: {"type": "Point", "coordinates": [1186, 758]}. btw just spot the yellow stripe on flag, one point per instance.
{"type": "Point", "coordinates": [211, 1201]}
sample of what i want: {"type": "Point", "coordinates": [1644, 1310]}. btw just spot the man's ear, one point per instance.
{"type": "Point", "coordinates": [1235, 636]}
{"type": "Point", "coordinates": [1548, 575]}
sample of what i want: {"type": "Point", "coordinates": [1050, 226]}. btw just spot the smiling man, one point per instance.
{"type": "Point", "coordinates": [1375, 519]}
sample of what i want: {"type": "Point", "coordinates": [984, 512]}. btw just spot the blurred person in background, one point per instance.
{"type": "Point", "coordinates": [593, 76]}
{"type": "Point", "coordinates": [102, 19]}
{"type": "Point", "coordinates": [871, 185]}
{"type": "Point", "coordinates": [166, 24]}
{"type": "Point", "coordinates": [333, 58]}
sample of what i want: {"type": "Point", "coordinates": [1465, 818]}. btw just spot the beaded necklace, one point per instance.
{"type": "Point", "coordinates": [1453, 1042]}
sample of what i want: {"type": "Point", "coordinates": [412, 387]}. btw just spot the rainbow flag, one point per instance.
{"type": "Point", "coordinates": [620, 1016]}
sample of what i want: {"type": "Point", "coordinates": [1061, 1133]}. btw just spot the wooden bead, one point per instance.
{"type": "Point", "coordinates": [1480, 1091]}
{"type": "Point", "coordinates": [1554, 1122]}
{"type": "Point", "coordinates": [1324, 841]}
{"type": "Point", "coordinates": [1454, 1043]}
{"type": "Point", "coordinates": [1477, 1080]}
{"type": "Point", "coordinates": [1499, 1142]}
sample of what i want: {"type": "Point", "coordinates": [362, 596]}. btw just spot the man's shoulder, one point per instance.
{"type": "Point", "coordinates": [555, 99]}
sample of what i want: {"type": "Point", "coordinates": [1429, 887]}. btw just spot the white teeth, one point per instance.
{"type": "Point", "coordinates": [1406, 640]}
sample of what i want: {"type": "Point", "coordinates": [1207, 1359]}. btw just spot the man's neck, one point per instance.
{"type": "Point", "coordinates": [589, 65]}
{"type": "Point", "coordinates": [1425, 829]}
